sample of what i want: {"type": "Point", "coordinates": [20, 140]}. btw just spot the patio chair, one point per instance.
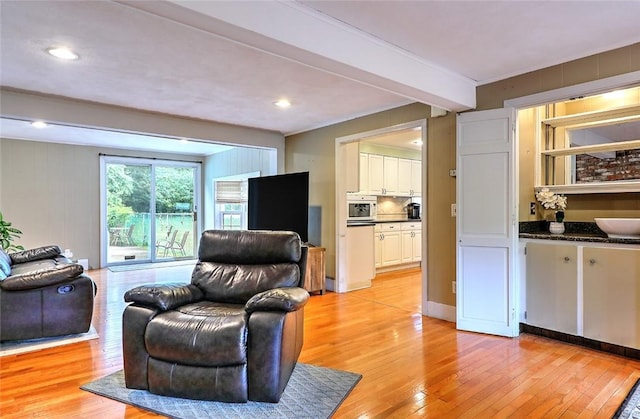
{"type": "Point", "coordinates": [129, 237]}
{"type": "Point", "coordinates": [179, 246]}
{"type": "Point", "coordinates": [166, 244]}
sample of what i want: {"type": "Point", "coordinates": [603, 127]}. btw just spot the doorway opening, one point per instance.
{"type": "Point", "coordinates": [149, 210]}
{"type": "Point", "coordinates": [355, 175]}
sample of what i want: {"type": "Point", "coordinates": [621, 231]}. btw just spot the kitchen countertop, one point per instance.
{"type": "Point", "coordinates": [402, 220]}
{"type": "Point", "coordinates": [574, 231]}
{"type": "Point", "coordinates": [360, 223]}
{"type": "Point", "coordinates": [372, 223]}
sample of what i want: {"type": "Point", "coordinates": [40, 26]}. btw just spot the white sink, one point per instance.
{"type": "Point", "coordinates": [620, 228]}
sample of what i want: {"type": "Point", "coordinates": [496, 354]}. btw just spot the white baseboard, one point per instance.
{"type": "Point", "coordinates": [441, 311]}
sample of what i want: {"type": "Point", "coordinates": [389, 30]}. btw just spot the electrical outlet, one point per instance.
{"type": "Point", "coordinates": [454, 210]}
{"type": "Point", "coordinates": [532, 208]}
{"type": "Point", "coordinates": [453, 287]}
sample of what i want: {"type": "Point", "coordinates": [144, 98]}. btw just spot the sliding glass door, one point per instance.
{"type": "Point", "coordinates": [149, 210]}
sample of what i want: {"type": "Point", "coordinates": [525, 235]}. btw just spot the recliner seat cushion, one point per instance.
{"type": "Point", "coordinates": [187, 334]}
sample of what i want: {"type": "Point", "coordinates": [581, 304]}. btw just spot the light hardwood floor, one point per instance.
{"type": "Point", "coordinates": [412, 366]}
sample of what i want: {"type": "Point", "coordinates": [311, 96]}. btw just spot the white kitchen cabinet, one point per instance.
{"type": "Point", "coordinates": [611, 279]}
{"type": "Point", "coordinates": [583, 289]}
{"type": "Point", "coordinates": [390, 175]}
{"type": "Point", "coordinates": [387, 175]}
{"type": "Point", "coordinates": [364, 173]}
{"type": "Point", "coordinates": [388, 241]}
{"type": "Point", "coordinates": [352, 172]}
{"type": "Point", "coordinates": [397, 243]}
{"type": "Point", "coordinates": [405, 183]}
{"type": "Point", "coordinates": [376, 174]}
{"type": "Point", "coordinates": [552, 287]}
{"type": "Point", "coordinates": [409, 177]}
{"type": "Point", "coordinates": [416, 178]}
{"type": "Point", "coordinates": [360, 262]}
{"type": "Point", "coordinates": [411, 242]}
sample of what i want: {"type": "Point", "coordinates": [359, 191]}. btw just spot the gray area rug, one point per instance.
{"type": "Point", "coordinates": [313, 392]}
{"type": "Point", "coordinates": [23, 346]}
{"type": "Point", "coordinates": [630, 407]}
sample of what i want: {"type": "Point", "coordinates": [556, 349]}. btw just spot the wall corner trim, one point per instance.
{"type": "Point", "coordinates": [441, 311]}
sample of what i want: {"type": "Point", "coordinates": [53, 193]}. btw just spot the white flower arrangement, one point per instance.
{"type": "Point", "coordinates": [550, 200]}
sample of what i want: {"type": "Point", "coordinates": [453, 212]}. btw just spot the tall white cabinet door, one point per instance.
{"type": "Point", "coordinates": [390, 173]}
{"type": "Point", "coordinates": [364, 173]}
{"type": "Point", "coordinates": [416, 177]}
{"type": "Point", "coordinates": [376, 174]}
{"type": "Point", "coordinates": [486, 223]}
{"type": "Point", "coordinates": [404, 177]}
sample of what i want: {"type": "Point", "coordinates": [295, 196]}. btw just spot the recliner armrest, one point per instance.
{"type": "Point", "coordinates": [42, 277]}
{"type": "Point", "coordinates": [278, 299]}
{"type": "Point", "coordinates": [38, 253]}
{"type": "Point", "coordinates": [164, 296]}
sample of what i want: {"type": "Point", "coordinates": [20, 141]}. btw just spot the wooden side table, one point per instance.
{"type": "Point", "coordinates": [314, 278]}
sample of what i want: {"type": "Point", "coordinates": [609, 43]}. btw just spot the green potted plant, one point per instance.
{"type": "Point", "coordinates": [8, 235]}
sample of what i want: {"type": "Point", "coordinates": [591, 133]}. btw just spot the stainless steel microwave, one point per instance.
{"type": "Point", "coordinates": [361, 207]}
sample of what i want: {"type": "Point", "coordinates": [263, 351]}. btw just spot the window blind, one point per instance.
{"type": "Point", "coordinates": [231, 191]}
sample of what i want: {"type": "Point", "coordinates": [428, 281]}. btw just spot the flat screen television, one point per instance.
{"type": "Point", "coordinates": [280, 202]}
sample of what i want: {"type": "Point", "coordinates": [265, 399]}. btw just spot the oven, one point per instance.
{"type": "Point", "coordinates": [361, 207]}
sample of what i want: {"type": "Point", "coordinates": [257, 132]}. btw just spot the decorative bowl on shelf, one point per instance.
{"type": "Point", "coordinates": [620, 228]}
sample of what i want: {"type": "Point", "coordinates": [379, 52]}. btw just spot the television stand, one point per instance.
{"type": "Point", "coordinates": [314, 278]}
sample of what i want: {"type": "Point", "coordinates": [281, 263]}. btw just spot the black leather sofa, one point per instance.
{"type": "Point", "coordinates": [43, 294]}
{"type": "Point", "coordinates": [233, 334]}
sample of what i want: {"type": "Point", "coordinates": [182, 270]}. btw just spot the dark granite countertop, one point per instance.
{"type": "Point", "coordinates": [360, 223]}
{"type": "Point", "coordinates": [574, 231]}
{"type": "Point", "coordinates": [403, 220]}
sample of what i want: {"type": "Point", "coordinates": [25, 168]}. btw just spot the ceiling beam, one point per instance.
{"type": "Point", "coordinates": [298, 33]}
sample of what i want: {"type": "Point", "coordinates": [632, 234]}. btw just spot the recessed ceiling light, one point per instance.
{"type": "Point", "coordinates": [282, 103]}
{"type": "Point", "coordinates": [63, 53]}
{"type": "Point", "coordinates": [39, 124]}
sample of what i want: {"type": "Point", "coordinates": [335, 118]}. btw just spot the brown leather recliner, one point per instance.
{"type": "Point", "coordinates": [43, 294]}
{"type": "Point", "coordinates": [233, 334]}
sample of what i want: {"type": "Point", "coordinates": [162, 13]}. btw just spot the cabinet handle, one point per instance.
{"type": "Point", "coordinates": [566, 259]}
{"type": "Point", "coordinates": [592, 262]}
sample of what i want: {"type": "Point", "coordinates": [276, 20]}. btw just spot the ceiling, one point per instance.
{"type": "Point", "coordinates": [228, 61]}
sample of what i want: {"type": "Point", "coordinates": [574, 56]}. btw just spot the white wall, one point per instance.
{"type": "Point", "coordinates": [233, 162]}
{"type": "Point", "coordinates": [52, 193]}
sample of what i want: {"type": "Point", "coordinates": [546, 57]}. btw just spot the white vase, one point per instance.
{"type": "Point", "coordinates": [556, 227]}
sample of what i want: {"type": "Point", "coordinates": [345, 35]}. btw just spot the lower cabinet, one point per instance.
{"type": "Point", "coordinates": [397, 243]}
{"type": "Point", "coordinates": [388, 244]}
{"type": "Point", "coordinates": [552, 292]}
{"type": "Point", "coordinates": [611, 279]}
{"type": "Point", "coordinates": [585, 290]}
{"type": "Point", "coordinates": [411, 242]}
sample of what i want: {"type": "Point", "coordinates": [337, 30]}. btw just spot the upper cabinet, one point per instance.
{"type": "Point", "coordinates": [375, 175]}
{"type": "Point", "coordinates": [590, 144]}
{"type": "Point", "coordinates": [387, 175]}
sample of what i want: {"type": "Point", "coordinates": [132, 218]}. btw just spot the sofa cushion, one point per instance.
{"type": "Point", "coordinates": [39, 253]}
{"type": "Point", "coordinates": [41, 277]}
{"type": "Point", "coordinates": [187, 335]}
